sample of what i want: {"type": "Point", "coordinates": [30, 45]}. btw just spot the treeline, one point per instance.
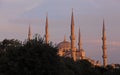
{"type": "Point", "coordinates": [37, 58]}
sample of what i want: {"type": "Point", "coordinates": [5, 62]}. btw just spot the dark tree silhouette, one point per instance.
{"type": "Point", "coordinates": [35, 57]}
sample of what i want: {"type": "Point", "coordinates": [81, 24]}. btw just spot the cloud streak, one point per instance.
{"type": "Point", "coordinates": [97, 41]}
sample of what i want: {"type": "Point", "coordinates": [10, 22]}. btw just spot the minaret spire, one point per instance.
{"type": "Point", "coordinates": [79, 40]}
{"type": "Point", "coordinates": [104, 46]}
{"type": "Point", "coordinates": [64, 38]}
{"type": "Point", "coordinates": [72, 23]}
{"type": "Point", "coordinates": [46, 31]}
{"type": "Point", "coordinates": [80, 44]}
{"type": "Point", "coordinates": [72, 38]}
{"type": "Point", "coordinates": [29, 33]}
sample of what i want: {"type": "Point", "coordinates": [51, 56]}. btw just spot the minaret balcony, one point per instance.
{"type": "Point", "coordinates": [72, 37]}
{"type": "Point", "coordinates": [103, 38]}
{"type": "Point", "coordinates": [104, 56]}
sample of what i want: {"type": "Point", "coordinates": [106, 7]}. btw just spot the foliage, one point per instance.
{"type": "Point", "coordinates": [35, 57]}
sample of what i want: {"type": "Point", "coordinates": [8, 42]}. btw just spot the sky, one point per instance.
{"type": "Point", "coordinates": [16, 15]}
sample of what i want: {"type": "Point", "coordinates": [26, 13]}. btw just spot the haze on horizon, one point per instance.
{"type": "Point", "coordinates": [16, 15]}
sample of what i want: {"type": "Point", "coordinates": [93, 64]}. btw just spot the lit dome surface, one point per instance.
{"type": "Point", "coordinates": [64, 45]}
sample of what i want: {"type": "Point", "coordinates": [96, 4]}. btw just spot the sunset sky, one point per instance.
{"type": "Point", "coordinates": [16, 15]}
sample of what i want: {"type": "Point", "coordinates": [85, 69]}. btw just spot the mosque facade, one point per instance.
{"type": "Point", "coordinates": [68, 49]}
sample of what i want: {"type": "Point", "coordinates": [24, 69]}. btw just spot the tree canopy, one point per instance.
{"type": "Point", "coordinates": [35, 57]}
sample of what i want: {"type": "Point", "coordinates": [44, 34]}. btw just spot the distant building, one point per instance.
{"type": "Point", "coordinates": [68, 49]}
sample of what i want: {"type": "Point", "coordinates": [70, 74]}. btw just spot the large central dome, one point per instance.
{"type": "Point", "coordinates": [64, 45]}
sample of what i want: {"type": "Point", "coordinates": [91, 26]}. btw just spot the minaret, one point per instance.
{"type": "Point", "coordinates": [64, 38]}
{"type": "Point", "coordinates": [72, 38]}
{"type": "Point", "coordinates": [80, 44]}
{"type": "Point", "coordinates": [46, 31]}
{"type": "Point", "coordinates": [29, 34]}
{"type": "Point", "coordinates": [104, 46]}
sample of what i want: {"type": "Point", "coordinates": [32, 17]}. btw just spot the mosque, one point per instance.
{"type": "Point", "coordinates": [68, 49]}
